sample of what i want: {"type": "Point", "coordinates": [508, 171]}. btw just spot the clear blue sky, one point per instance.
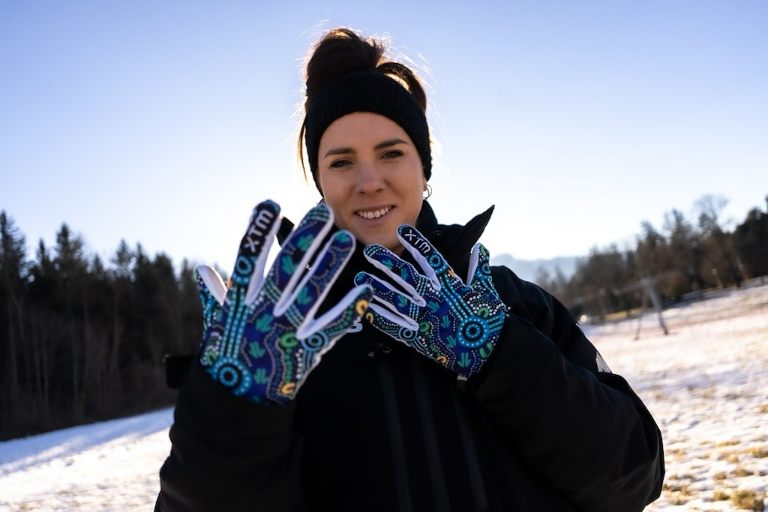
{"type": "Point", "coordinates": [164, 122]}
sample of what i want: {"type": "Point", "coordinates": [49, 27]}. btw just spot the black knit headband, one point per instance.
{"type": "Point", "coordinates": [366, 91]}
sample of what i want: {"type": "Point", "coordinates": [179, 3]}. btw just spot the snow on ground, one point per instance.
{"type": "Point", "coordinates": [706, 384]}
{"type": "Point", "coordinates": [105, 466]}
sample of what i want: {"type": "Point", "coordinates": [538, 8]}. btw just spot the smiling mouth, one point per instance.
{"type": "Point", "coordinates": [373, 214]}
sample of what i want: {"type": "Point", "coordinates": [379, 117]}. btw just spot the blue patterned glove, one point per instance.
{"type": "Point", "coordinates": [261, 338]}
{"type": "Point", "coordinates": [455, 324]}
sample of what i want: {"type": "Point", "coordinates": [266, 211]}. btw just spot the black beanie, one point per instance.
{"type": "Point", "coordinates": [366, 91]}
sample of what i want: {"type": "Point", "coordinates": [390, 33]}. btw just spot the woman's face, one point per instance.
{"type": "Point", "coordinates": [371, 177]}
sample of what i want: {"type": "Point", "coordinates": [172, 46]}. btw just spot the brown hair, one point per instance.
{"type": "Point", "coordinates": [341, 52]}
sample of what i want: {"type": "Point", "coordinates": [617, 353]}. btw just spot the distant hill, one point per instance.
{"type": "Point", "coordinates": [527, 269]}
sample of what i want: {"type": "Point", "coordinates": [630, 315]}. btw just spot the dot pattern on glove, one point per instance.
{"type": "Point", "coordinates": [456, 324]}
{"type": "Point", "coordinates": [263, 341]}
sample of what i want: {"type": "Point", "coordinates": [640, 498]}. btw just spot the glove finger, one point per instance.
{"type": "Point", "coordinates": [479, 265]}
{"type": "Point", "coordinates": [316, 284]}
{"type": "Point", "coordinates": [210, 285]}
{"type": "Point", "coordinates": [398, 327]}
{"type": "Point", "coordinates": [297, 252]}
{"type": "Point", "coordinates": [319, 336]}
{"type": "Point", "coordinates": [252, 256]}
{"type": "Point", "coordinates": [335, 322]}
{"type": "Point", "coordinates": [480, 269]}
{"type": "Point", "coordinates": [401, 272]}
{"type": "Point", "coordinates": [385, 292]}
{"type": "Point", "coordinates": [212, 292]}
{"type": "Point", "coordinates": [435, 267]}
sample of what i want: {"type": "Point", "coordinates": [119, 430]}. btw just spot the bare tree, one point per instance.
{"type": "Point", "coordinates": [709, 208]}
{"type": "Point", "coordinates": [721, 259]}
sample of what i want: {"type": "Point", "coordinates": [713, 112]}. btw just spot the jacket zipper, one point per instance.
{"type": "Point", "coordinates": [395, 437]}
{"type": "Point", "coordinates": [439, 489]}
{"type": "Point", "coordinates": [475, 476]}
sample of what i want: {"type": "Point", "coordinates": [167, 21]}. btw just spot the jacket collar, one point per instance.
{"type": "Point", "coordinates": [454, 241]}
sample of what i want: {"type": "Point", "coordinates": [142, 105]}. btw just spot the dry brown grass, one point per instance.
{"type": "Point", "coordinates": [678, 499]}
{"type": "Point", "coordinates": [748, 500]}
{"type": "Point", "coordinates": [675, 453]}
{"type": "Point", "coordinates": [677, 488]}
{"type": "Point", "coordinates": [721, 495]}
{"type": "Point", "coordinates": [758, 452]}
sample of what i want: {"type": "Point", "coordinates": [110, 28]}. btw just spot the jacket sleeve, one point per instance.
{"type": "Point", "coordinates": [228, 454]}
{"type": "Point", "coordinates": [580, 427]}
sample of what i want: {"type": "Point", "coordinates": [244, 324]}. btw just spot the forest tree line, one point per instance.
{"type": "Point", "coordinates": [83, 340]}
{"type": "Point", "coordinates": [681, 260]}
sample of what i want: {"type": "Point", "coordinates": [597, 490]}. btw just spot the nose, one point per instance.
{"type": "Point", "coordinates": [370, 179]}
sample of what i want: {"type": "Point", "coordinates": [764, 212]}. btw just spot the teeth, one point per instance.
{"type": "Point", "coordinates": [374, 214]}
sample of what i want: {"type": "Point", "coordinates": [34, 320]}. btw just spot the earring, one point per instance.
{"type": "Point", "coordinates": [428, 190]}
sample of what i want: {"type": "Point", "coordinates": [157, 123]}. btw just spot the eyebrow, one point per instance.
{"type": "Point", "coordinates": [389, 143]}
{"type": "Point", "coordinates": [380, 145]}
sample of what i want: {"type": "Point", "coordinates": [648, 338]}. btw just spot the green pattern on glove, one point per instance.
{"type": "Point", "coordinates": [456, 324]}
{"type": "Point", "coordinates": [261, 338]}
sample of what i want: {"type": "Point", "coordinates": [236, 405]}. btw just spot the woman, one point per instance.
{"type": "Point", "coordinates": [464, 388]}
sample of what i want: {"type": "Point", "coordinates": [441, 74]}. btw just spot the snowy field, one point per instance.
{"type": "Point", "coordinates": [706, 384]}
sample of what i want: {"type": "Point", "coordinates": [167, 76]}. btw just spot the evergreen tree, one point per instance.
{"type": "Point", "coordinates": [751, 241]}
{"type": "Point", "coordinates": [651, 252]}
{"type": "Point", "coordinates": [12, 288]}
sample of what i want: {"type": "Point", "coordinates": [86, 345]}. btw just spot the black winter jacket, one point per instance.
{"type": "Point", "coordinates": [377, 426]}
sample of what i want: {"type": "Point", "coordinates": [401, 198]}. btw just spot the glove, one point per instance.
{"type": "Point", "coordinates": [261, 338]}
{"type": "Point", "coordinates": [455, 324]}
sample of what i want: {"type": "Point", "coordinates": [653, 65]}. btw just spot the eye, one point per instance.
{"type": "Point", "coordinates": [339, 164]}
{"type": "Point", "coordinates": [392, 154]}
